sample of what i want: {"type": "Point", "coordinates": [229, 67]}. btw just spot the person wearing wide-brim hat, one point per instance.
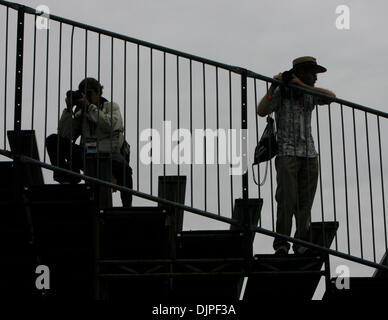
{"type": "Point", "coordinates": [297, 160]}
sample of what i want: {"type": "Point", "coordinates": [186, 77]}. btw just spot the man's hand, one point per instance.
{"type": "Point", "coordinates": [80, 103]}
{"type": "Point", "coordinates": [278, 76]}
{"type": "Point", "coordinates": [297, 81]}
{"type": "Point", "coordinates": [274, 85]}
{"type": "Point", "coordinates": [83, 101]}
{"type": "Point", "coordinates": [68, 104]}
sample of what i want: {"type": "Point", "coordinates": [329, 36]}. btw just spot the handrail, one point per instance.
{"type": "Point", "coordinates": [320, 95]}
{"type": "Point", "coordinates": [207, 214]}
{"type": "Point", "coordinates": [236, 69]}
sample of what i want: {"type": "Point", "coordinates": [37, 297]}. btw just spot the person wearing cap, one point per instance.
{"type": "Point", "coordinates": [297, 160]}
{"type": "Point", "coordinates": [98, 122]}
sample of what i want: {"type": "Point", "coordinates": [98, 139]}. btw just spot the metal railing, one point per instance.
{"type": "Point", "coordinates": [162, 89]}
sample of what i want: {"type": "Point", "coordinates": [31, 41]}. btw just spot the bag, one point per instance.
{"type": "Point", "coordinates": [267, 147]}
{"type": "Point", "coordinates": [125, 150]}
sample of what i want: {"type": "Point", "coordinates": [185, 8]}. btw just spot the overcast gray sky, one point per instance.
{"type": "Point", "coordinates": [263, 36]}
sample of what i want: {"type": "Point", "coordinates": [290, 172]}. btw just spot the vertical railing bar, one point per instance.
{"type": "Point", "coordinates": [191, 132]}
{"type": "Point", "coordinates": [230, 127]}
{"type": "Point", "coordinates": [271, 184]}
{"type": "Point", "coordinates": [204, 126]}
{"type": "Point", "coordinates": [346, 179]}
{"type": "Point", "coordinates": [308, 167]}
{"type": "Point", "coordinates": [151, 114]}
{"type": "Point", "coordinates": [71, 96]}
{"type": "Point", "coordinates": [297, 209]}
{"type": "Point", "coordinates": [138, 115]}
{"type": "Point", "coordinates": [244, 127]}
{"type": "Point", "coordinates": [382, 184]}
{"type": "Point", "coordinates": [46, 90]}
{"type": "Point", "coordinates": [164, 122]}
{"type": "Point", "coordinates": [111, 109]}
{"type": "Point", "coordinates": [99, 101]}
{"type": "Point", "coordinates": [272, 194]}
{"type": "Point", "coordinates": [19, 82]}
{"type": "Point", "coordinates": [370, 187]}
{"type": "Point", "coordinates": [178, 120]}
{"type": "Point", "coordinates": [320, 177]}
{"type": "Point", "coordinates": [59, 82]}
{"type": "Point", "coordinates": [85, 92]}
{"type": "Point", "coordinates": [33, 78]}
{"type": "Point", "coordinates": [257, 137]}
{"type": "Point", "coordinates": [358, 183]}
{"type": "Point", "coordinates": [218, 141]}
{"type": "Point", "coordinates": [332, 173]}
{"type": "Point", "coordinates": [125, 110]}
{"type": "Point", "coordinates": [5, 79]}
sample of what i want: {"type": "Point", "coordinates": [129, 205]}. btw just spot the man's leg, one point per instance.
{"type": "Point", "coordinates": [123, 173]}
{"type": "Point", "coordinates": [61, 151]}
{"type": "Point", "coordinates": [286, 173]}
{"type": "Point", "coordinates": [307, 180]}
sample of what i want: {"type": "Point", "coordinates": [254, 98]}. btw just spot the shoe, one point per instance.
{"type": "Point", "coordinates": [281, 251]}
{"type": "Point", "coordinates": [62, 179]}
{"type": "Point", "coordinates": [300, 250]}
{"type": "Point", "coordinates": [303, 251]}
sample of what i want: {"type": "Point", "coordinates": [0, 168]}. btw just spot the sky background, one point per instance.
{"type": "Point", "coordinates": [262, 36]}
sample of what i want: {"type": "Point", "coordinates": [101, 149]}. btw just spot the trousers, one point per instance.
{"type": "Point", "coordinates": [68, 155]}
{"type": "Point", "coordinates": [296, 179]}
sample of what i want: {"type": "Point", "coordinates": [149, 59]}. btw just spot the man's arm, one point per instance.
{"type": "Point", "coordinates": [69, 126]}
{"type": "Point", "coordinates": [321, 101]}
{"type": "Point", "coordinates": [264, 105]}
{"type": "Point", "coordinates": [108, 121]}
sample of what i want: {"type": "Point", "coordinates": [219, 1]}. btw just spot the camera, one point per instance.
{"type": "Point", "coordinates": [287, 76]}
{"type": "Point", "coordinates": [74, 95]}
{"type": "Point", "coordinates": [285, 90]}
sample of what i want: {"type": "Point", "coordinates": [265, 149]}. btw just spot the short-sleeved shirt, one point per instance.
{"type": "Point", "coordinates": [293, 121]}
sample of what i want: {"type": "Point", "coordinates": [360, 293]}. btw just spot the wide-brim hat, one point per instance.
{"type": "Point", "coordinates": [307, 61]}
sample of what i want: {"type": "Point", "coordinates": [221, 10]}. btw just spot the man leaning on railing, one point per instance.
{"type": "Point", "coordinates": [98, 122]}
{"type": "Point", "coordinates": [297, 160]}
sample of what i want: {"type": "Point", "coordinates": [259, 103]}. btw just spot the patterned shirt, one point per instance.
{"type": "Point", "coordinates": [293, 121]}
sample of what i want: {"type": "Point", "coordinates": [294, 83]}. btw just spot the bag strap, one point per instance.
{"type": "Point", "coordinates": [265, 175]}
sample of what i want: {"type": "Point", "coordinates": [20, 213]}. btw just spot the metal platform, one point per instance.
{"type": "Point", "coordinates": [291, 277]}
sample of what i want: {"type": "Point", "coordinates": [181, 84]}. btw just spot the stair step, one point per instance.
{"type": "Point", "coordinates": [134, 233]}
{"type": "Point", "coordinates": [290, 277]}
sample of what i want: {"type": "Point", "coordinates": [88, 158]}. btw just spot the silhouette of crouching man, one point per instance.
{"type": "Point", "coordinates": [94, 119]}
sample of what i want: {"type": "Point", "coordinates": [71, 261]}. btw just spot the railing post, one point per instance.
{"type": "Point", "coordinates": [244, 127]}
{"type": "Point", "coordinates": [19, 81]}
{"type": "Point", "coordinates": [18, 141]}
